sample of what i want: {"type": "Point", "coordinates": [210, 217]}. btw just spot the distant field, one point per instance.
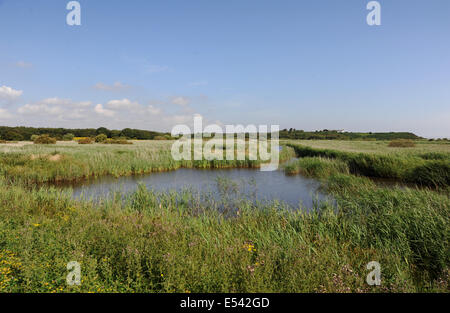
{"type": "Point", "coordinates": [364, 146]}
{"type": "Point", "coordinates": [380, 147]}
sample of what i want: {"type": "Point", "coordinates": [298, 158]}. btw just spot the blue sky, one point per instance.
{"type": "Point", "coordinates": [153, 64]}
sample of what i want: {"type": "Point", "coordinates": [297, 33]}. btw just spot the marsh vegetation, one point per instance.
{"type": "Point", "coordinates": [182, 241]}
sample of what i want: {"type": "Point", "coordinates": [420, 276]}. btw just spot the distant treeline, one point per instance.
{"type": "Point", "coordinates": [341, 135]}
{"type": "Point", "coordinates": [25, 133]}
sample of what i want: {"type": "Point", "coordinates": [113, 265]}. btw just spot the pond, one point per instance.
{"type": "Point", "coordinates": [250, 183]}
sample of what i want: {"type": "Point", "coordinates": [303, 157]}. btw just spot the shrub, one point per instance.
{"type": "Point", "coordinates": [402, 143]}
{"type": "Point", "coordinates": [85, 141]}
{"type": "Point", "coordinates": [68, 137]}
{"type": "Point", "coordinates": [101, 138]}
{"type": "Point", "coordinates": [159, 138]}
{"type": "Point", "coordinates": [44, 140]}
{"type": "Point", "coordinates": [34, 137]}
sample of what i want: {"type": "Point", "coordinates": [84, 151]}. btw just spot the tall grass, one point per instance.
{"type": "Point", "coordinates": [30, 164]}
{"type": "Point", "coordinates": [317, 167]}
{"type": "Point", "coordinates": [406, 168]}
{"type": "Point", "coordinates": [179, 242]}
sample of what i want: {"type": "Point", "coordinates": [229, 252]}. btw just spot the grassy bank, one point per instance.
{"type": "Point", "coordinates": [430, 169]}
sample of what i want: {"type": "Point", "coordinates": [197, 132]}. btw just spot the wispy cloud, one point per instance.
{"type": "Point", "coordinates": [117, 86]}
{"type": "Point", "coordinates": [63, 108]}
{"type": "Point", "coordinates": [40, 108]}
{"type": "Point", "coordinates": [146, 65]}
{"type": "Point", "coordinates": [4, 114]}
{"type": "Point", "coordinates": [181, 101]}
{"type": "Point", "coordinates": [198, 83]}
{"type": "Point", "coordinates": [122, 104]}
{"type": "Point", "coordinates": [65, 102]}
{"type": "Point", "coordinates": [23, 64]}
{"type": "Point", "coordinates": [156, 68]}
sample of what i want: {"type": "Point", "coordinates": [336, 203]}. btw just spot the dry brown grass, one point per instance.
{"type": "Point", "coordinates": [402, 143]}
{"type": "Point", "coordinates": [85, 141]}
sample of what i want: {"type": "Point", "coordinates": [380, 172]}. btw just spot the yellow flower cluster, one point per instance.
{"type": "Point", "coordinates": [249, 247]}
{"type": "Point", "coordinates": [9, 265]}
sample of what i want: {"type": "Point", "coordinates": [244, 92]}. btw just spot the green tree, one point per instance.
{"type": "Point", "coordinates": [103, 130]}
{"type": "Point", "coordinates": [12, 135]}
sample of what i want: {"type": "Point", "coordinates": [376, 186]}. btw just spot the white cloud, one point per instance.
{"type": "Point", "coordinates": [102, 111]}
{"type": "Point", "coordinates": [153, 110]}
{"type": "Point", "coordinates": [8, 93]}
{"type": "Point", "coordinates": [179, 119]}
{"type": "Point", "coordinates": [62, 108]}
{"type": "Point", "coordinates": [65, 102]}
{"type": "Point", "coordinates": [117, 86]}
{"type": "Point", "coordinates": [40, 108]}
{"type": "Point", "coordinates": [122, 104]}
{"type": "Point", "coordinates": [157, 68]}
{"type": "Point", "coordinates": [4, 114]}
{"type": "Point", "coordinates": [23, 64]}
{"type": "Point", "coordinates": [76, 114]}
{"type": "Point", "coordinates": [182, 101]}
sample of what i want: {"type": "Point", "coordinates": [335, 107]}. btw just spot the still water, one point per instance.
{"type": "Point", "coordinates": [254, 184]}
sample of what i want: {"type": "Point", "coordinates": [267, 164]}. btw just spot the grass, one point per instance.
{"type": "Point", "coordinates": [184, 242]}
{"type": "Point", "coordinates": [410, 168]}
{"type": "Point", "coordinates": [317, 167]}
{"type": "Point", "coordinates": [21, 164]}
{"type": "Point", "coordinates": [376, 147]}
